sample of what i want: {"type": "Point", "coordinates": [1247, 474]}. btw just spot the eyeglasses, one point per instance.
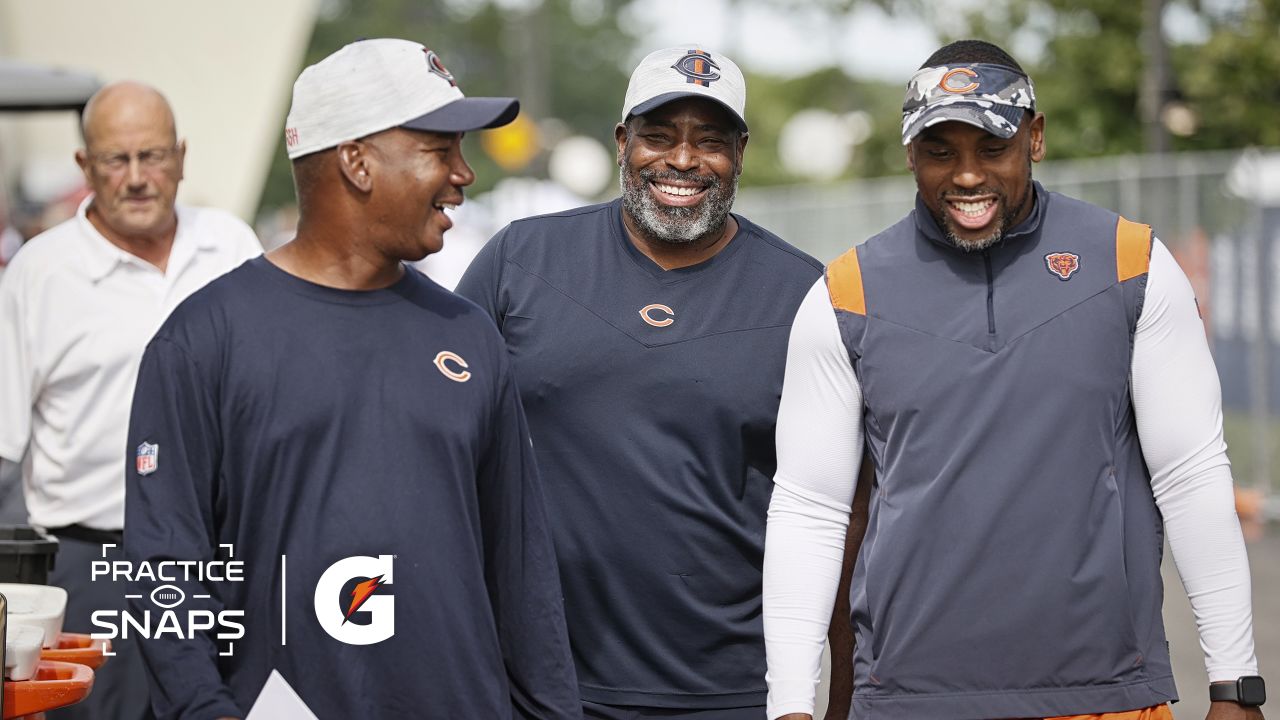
{"type": "Point", "coordinates": [148, 159]}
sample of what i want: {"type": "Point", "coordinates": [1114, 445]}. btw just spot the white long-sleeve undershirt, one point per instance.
{"type": "Point", "coordinates": [1178, 406]}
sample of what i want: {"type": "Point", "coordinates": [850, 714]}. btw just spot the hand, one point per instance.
{"type": "Point", "coordinates": [1232, 711]}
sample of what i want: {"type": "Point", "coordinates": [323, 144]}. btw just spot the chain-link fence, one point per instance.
{"type": "Point", "coordinates": [1219, 213]}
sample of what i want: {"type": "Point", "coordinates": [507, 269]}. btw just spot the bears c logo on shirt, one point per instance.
{"type": "Point", "coordinates": [647, 312]}
{"type": "Point", "coordinates": [446, 361]}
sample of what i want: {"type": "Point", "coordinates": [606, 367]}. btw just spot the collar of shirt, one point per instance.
{"type": "Point", "coordinates": [102, 256]}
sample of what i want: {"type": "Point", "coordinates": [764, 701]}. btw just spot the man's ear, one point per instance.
{"type": "Point", "coordinates": [82, 159]}
{"type": "Point", "coordinates": [355, 162]}
{"type": "Point", "coordinates": [182, 158]}
{"type": "Point", "coordinates": [911, 158]}
{"type": "Point", "coordinates": [620, 137]}
{"type": "Point", "coordinates": [1037, 137]}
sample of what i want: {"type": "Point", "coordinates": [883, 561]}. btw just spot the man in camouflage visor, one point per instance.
{"type": "Point", "coordinates": [1031, 378]}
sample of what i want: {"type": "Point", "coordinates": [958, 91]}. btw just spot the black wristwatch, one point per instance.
{"type": "Point", "coordinates": [1248, 691]}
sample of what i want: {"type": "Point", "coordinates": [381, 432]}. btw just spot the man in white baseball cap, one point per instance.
{"type": "Point", "coordinates": [648, 336]}
{"type": "Point", "coordinates": [330, 405]}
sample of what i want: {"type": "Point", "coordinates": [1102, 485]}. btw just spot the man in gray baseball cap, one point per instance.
{"type": "Point", "coordinates": [328, 404]}
{"type": "Point", "coordinates": [1031, 376]}
{"type": "Point", "coordinates": [648, 338]}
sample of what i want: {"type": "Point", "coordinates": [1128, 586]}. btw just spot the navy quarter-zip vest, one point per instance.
{"type": "Point", "coordinates": [1011, 566]}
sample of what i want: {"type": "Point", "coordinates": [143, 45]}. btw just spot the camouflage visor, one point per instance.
{"type": "Point", "coordinates": [992, 97]}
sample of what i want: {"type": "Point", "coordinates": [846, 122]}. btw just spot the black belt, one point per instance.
{"type": "Point", "coordinates": [88, 534]}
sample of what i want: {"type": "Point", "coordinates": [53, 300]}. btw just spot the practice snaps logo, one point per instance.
{"type": "Point", "coordinates": [351, 603]}
{"type": "Point", "coordinates": [168, 619]}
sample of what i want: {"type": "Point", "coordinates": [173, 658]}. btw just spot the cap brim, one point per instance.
{"type": "Point", "coordinates": [656, 102]}
{"type": "Point", "coordinates": [970, 114]}
{"type": "Point", "coordinates": [466, 114]}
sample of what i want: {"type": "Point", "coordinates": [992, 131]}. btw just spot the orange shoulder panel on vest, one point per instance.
{"type": "Point", "coordinates": [844, 283]}
{"type": "Point", "coordinates": [1133, 249]}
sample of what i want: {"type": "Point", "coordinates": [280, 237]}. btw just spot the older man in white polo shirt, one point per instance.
{"type": "Point", "coordinates": [78, 305]}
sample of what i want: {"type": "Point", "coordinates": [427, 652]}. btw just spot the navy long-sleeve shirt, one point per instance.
{"type": "Point", "coordinates": [652, 398]}
{"type": "Point", "coordinates": [291, 419]}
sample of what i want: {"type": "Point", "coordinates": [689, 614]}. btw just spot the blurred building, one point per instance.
{"type": "Point", "coordinates": [227, 69]}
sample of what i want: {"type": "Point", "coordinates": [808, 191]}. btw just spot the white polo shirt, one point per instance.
{"type": "Point", "coordinates": [76, 312]}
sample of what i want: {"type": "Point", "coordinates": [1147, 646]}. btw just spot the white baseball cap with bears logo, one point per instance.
{"type": "Point", "coordinates": [375, 85]}
{"type": "Point", "coordinates": [686, 71]}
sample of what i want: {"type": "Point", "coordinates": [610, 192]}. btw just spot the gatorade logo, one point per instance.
{"type": "Point", "coordinates": [341, 611]}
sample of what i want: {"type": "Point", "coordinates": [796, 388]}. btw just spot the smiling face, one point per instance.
{"type": "Point", "coordinates": [419, 176]}
{"type": "Point", "coordinates": [679, 167]}
{"type": "Point", "coordinates": [976, 185]}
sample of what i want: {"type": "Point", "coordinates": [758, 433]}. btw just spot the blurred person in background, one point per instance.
{"type": "Point", "coordinates": [77, 306]}
{"type": "Point", "coordinates": [1032, 378]}
{"type": "Point", "coordinates": [648, 336]}
{"type": "Point", "coordinates": [10, 238]}
{"type": "Point", "coordinates": [367, 427]}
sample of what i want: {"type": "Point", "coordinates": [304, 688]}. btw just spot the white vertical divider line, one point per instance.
{"type": "Point", "coordinates": [284, 605]}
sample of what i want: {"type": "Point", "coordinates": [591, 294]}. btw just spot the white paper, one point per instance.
{"type": "Point", "coordinates": [279, 700]}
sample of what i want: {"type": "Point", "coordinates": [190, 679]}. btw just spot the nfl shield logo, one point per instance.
{"type": "Point", "coordinates": [148, 458]}
{"type": "Point", "coordinates": [1062, 264]}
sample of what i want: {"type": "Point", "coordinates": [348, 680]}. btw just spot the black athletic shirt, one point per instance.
{"type": "Point", "coordinates": [319, 424]}
{"type": "Point", "coordinates": [652, 397]}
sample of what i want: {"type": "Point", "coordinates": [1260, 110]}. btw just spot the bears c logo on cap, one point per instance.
{"type": "Point", "coordinates": [438, 68]}
{"type": "Point", "coordinates": [960, 80]}
{"type": "Point", "coordinates": [698, 68]}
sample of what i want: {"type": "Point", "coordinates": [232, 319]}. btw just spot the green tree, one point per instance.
{"type": "Point", "coordinates": [773, 100]}
{"type": "Point", "coordinates": [1087, 58]}
{"type": "Point", "coordinates": [1231, 81]}
{"type": "Point", "coordinates": [1089, 75]}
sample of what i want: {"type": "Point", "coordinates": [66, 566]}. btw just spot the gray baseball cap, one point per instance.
{"type": "Point", "coordinates": [374, 85]}
{"type": "Point", "coordinates": [686, 71]}
{"type": "Point", "coordinates": [992, 97]}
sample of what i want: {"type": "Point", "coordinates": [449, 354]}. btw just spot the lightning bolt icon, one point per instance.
{"type": "Point", "coordinates": [360, 594]}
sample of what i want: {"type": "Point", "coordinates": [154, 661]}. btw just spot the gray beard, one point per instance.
{"type": "Point", "coordinates": [676, 225]}
{"type": "Point", "coordinates": [997, 233]}
{"type": "Point", "coordinates": [977, 245]}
